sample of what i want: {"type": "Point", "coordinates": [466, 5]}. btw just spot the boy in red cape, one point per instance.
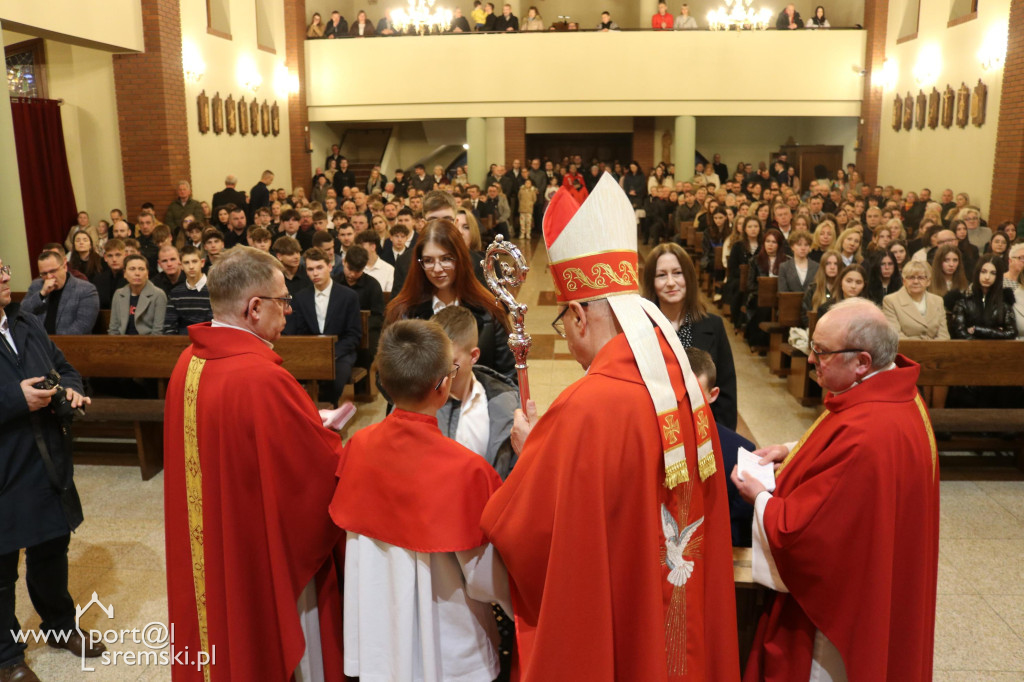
{"type": "Point", "coordinates": [251, 578]}
{"type": "Point", "coordinates": [614, 524]}
{"type": "Point", "coordinates": [850, 537]}
{"type": "Point", "coordinates": [419, 574]}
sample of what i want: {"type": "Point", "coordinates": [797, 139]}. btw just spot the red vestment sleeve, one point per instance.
{"type": "Point", "coordinates": [267, 468]}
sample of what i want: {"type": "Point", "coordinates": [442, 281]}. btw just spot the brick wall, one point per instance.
{"type": "Point", "coordinates": [643, 142]}
{"type": "Point", "coordinates": [1008, 170]}
{"type": "Point", "coordinates": [298, 114]}
{"type": "Point", "coordinates": [869, 131]}
{"type": "Point", "coordinates": [515, 141]}
{"type": "Point", "coordinates": [150, 90]}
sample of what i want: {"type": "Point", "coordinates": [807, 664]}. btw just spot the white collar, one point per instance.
{"type": "Point", "coordinates": [438, 305]}
{"type": "Point", "coordinates": [327, 290]}
{"type": "Point", "coordinates": [218, 323]}
{"type": "Point", "coordinates": [199, 285]}
{"type": "Point", "coordinates": [866, 377]}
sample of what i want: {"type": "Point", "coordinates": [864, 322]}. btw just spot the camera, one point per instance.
{"type": "Point", "coordinates": [59, 402]}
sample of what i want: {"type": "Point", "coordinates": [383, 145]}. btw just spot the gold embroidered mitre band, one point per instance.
{"type": "Point", "coordinates": [592, 251]}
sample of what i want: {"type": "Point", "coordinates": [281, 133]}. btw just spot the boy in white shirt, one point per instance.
{"type": "Point", "coordinates": [419, 574]}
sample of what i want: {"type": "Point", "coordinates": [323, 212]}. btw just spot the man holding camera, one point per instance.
{"type": "Point", "coordinates": [39, 506]}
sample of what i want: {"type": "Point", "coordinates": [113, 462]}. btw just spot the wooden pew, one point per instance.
{"type": "Point", "coordinates": [799, 382]}
{"type": "Point", "coordinates": [785, 314]}
{"type": "Point", "coordinates": [972, 363]}
{"type": "Point", "coordinates": [308, 358]}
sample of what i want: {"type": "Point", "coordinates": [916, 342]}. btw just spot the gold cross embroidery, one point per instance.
{"type": "Point", "coordinates": [702, 424]}
{"type": "Point", "coordinates": [671, 429]}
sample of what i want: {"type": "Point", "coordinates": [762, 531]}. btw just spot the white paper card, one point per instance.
{"type": "Point", "coordinates": [747, 465]}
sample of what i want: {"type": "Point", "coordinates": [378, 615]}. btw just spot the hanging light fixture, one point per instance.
{"type": "Point", "coordinates": [738, 14]}
{"type": "Point", "coordinates": [422, 18]}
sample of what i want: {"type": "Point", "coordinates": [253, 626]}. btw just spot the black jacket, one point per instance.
{"type": "Point", "coordinates": [343, 179]}
{"type": "Point", "coordinates": [709, 335]}
{"type": "Point", "coordinates": [339, 31]}
{"type": "Point", "coordinates": [31, 507]}
{"type": "Point", "coordinates": [493, 342]}
{"type": "Point", "coordinates": [259, 196]}
{"type": "Point", "coordinates": [503, 24]}
{"type": "Point", "coordinates": [370, 298]}
{"type": "Point", "coordinates": [229, 195]}
{"type": "Point", "coordinates": [996, 321]}
{"type": "Point", "coordinates": [342, 320]}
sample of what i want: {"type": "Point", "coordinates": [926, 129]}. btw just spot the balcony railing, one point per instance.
{"type": "Point", "coordinates": [588, 73]}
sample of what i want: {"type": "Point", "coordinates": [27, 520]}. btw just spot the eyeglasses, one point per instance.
{"type": "Point", "coordinates": [452, 374]}
{"type": "Point", "coordinates": [816, 349]}
{"type": "Point", "coordinates": [446, 262]}
{"type": "Point", "coordinates": [5, 270]}
{"type": "Point", "coordinates": [285, 301]}
{"type": "Point", "coordinates": [916, 278]}
{"type": "Point", "coordinates": [558, 325]}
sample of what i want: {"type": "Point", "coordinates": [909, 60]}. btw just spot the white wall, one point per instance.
{"type": "Point", "coordinates": [215, 156]}
{"type": "Point", "coordinates": [114, 25]}
{"type": "Point", "coordinates": [958, 158]}
{"type": "Point", "coordinates": [84, 79]}
{"type": "Point", "coordinates": [752, 139]}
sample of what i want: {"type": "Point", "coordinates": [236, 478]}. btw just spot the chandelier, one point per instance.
{"type": "Point", "coordinates": [422, 18]}
{"type": "Point", "coordinates": [739, 15]}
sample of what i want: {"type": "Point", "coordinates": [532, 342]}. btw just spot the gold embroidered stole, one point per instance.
{"type": "Point", "coordinates": [800, 443]}
{"type": "Point", "coordinates": [194, 493]}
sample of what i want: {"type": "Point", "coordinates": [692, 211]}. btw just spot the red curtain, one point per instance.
{"type": "Point", "coordinates": [46, 191]}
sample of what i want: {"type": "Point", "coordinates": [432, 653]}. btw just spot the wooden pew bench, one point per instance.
{"type": "Point", "coordinates": [799, 379]}
{"type": "Point", "coordinates": [786, 310]}
{"type": "Point", "coordinates": [972, 363]}
{"type": "Point", "coordinates": [308, 358]}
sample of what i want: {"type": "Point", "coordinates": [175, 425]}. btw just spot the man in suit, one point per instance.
{"type": "Point", "coordinates": [259, 195]}
{"type": "Point", "coordinates": [65, 305]}
{"type": "Point", "coordinates": [371, 298]}
{"type": "Point", "coordinates": [419, 181]}
{"type": "Point", "coordinates": [335, 156]}
{"type": "Point", "coordinates": [328, 309]}
{"type": "Point", "coordinates": [138, 309]}
{"type": "Point", "coordinates": [507, 22]}
{"type": "Point", "coordinates": [229, 195]}
{"type": "Point", "coordinates": [343, 177]}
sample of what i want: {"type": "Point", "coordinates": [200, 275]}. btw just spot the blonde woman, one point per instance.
{"type": "Point", "coordinates": [316, 27]}
{"type": "Point", "coordinates": [914, 312]}
{"type": "Point", "coordinates": [848, 245]}
{"type": "Point", "coordinates": [825, 285]}
{"type": "Point", "coordinates": [824, 238]}
{"type": "Point", "coordinates": [533, 21]}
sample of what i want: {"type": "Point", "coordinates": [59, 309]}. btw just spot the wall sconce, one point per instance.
{"type": "Point", "coordinates": [192, 64]}
{"type": "Point", "coordinates": [886, 76]}
{"type": "Point", "coordinates": [928, 67]}
{"type": "Point", "coordinates": [249, 76]}
{"type": "Point", "coordinates": [992, 54]}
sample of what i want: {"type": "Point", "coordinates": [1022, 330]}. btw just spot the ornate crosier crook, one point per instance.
{"type": "Point", "coordinates": [507, 257]}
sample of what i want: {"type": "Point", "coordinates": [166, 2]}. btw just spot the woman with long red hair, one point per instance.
{"type": "Point", "coordinates": [441, 275]}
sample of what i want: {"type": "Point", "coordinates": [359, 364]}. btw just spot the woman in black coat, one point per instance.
{"type": "Point", "coordinates": [670, 282]}
{"type": "Point", "coordinates": [985, 311]}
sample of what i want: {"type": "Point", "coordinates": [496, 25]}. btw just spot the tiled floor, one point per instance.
{"type": "Point", "coordinates": [119, 551]}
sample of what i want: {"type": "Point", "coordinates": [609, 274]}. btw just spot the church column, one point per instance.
{"type": "Point", "coordinates": [869, 131]}
{"type": "Point", "coordinates": [298, 112]}
{"type": "Point", "coordinates": [13, 241]}
{"type": "Point", "coordinates": [685, 146]}
{"type": "Point", "coordinates": [1008, 170]}
{"type": "Point", "coordinates": [150, 90]}
{"type": "Point", "coordinates": [515, 141]}
{"type": "Point", "coordinates": [476, 137]}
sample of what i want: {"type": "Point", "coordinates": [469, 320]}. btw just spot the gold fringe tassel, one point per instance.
{"type": "Point", "coordinates": [676, 474]}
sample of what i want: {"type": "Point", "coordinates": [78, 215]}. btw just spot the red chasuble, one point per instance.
{"type": "Point", "coordinates": [614, 576]}
{"type": "Point", "coordinates": [249, 473]}
{"type": "Point", "coordinates": [853, 528]}
{"type": "Point", "coordinates": [403, 483]}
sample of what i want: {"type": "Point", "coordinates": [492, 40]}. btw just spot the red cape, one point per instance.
{"type": "Point", "coordinates": [267, 478]}
{"type": "Point", "coordinates": [578, 523]}
{"type": "Point", "coordinates": [854, 531]}
{"type": "Point", "coordinates": [403, 483]}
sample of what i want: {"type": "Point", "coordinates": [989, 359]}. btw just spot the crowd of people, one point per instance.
{"type": "Point", "coordinates": [485, 18]}
{"type": "Point", "coordinates": [407, 249]}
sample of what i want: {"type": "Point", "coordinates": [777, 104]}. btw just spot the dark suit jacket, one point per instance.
{"type": "Point", "coordinates": [106, 283]}
{"type": "Point", "coordinates": [78, 308]}
{"type": "Point", "coordinates": [30, 506]}
{"type": "Point", "coordinates": [343, 319]}
{"type": "Point", "coordinates": [741, 513]}
{"type": "Point", "coordinates": [229, 195]}
{"type": "Point", "coordinates": [709, 335]}
{"type": "Point", "coordinates": [371, 298]}
{"type": "Point", "coordinates": [259, 196]}
{"type": "Point", "coordinates": [342, 179]}
{"type": "Point", "coordinates": [402, 265]}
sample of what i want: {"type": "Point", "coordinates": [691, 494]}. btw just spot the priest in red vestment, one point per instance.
{"type": "Point", "coordinates": [850, 537]}
{"type": "Point", "coordinates": [251, 570]}
{"type": "Point", "coordinates": [614, 523]}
